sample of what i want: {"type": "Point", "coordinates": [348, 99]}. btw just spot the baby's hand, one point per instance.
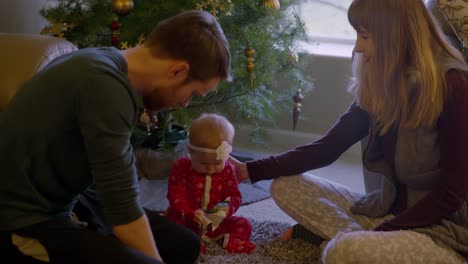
{"type": "Point", "coordinates": [199, 216]}
{"type": "Point", "coordinates": [226, 209]}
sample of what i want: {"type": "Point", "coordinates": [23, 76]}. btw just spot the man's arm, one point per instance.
{"type": "Point", "coordinates": [106, 114]}
{"type": "Point", "coordinates": [138, 235]}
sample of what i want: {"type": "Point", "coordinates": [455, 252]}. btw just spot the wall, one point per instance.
{"type": "Point", "coordinates": [329, 98]}
{"type": "Point", "coordinates": [320, 108]}
{"type": "Point", "coordinates": [21, 16]}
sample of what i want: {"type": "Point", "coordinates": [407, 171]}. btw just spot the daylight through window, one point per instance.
{"type": "Point", "coordinates": [327, 21]}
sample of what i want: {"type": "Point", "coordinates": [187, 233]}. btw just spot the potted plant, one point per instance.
{"type": "Point", "coordinates": [158, 142]}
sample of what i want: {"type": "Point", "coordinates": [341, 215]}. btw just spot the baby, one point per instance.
{"type": "Point", "coordinates": [203, 191]}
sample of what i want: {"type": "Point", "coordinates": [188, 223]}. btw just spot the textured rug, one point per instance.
{"type": "Point", "coordinates": [154, 192]}
{"type": "Point", "coordinates": [270, 248]}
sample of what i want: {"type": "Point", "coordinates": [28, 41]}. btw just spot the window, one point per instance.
{"type": "Point", "coordinates": [326, 24]}
{"type": "Point", "coordinates": [327, 20]}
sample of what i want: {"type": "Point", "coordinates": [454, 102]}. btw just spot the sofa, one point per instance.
{"type": "Point", "coordinates": [24, 55]}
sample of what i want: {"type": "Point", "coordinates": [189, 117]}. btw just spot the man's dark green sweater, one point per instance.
{"type": "Point", "coordinates": [67, 128]}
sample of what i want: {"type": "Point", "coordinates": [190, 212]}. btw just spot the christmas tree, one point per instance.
{"type": "Point", "coordinates": [261, 34]}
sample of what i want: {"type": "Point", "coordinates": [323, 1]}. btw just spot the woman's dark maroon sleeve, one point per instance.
{"type": "Point", "coordinates": [352, 126]}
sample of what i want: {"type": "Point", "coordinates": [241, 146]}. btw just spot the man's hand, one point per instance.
{"type": "Point", "coordinates": [241, 169]}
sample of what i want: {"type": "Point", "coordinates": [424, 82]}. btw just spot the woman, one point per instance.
{"type": "Point", "coordinates": [411, 112]}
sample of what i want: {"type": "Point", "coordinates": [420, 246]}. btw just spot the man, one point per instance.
{"type": "Point", "coordinates": [69, 127]}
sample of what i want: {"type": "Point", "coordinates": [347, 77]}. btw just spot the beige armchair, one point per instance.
{"type": "Point", "coordinates": [23, 55]}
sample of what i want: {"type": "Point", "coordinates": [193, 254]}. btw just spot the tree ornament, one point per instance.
{"type": "Point", "coordinates": [125, 45]}
{"type": "Point", "coordinates": [272, 4]}
{"type": "Point", "coordinates": [250, 52]}
{"type": "Point", "coordinates": [147, 121]}
{"type": "Point", "coordinates": [57, 29]}
{"type": "Point", "coordinates": [298, 97]}
{"type": "Point", "coordinates": [292, 58]}
{"type": "Point", "coordinates": [122, 7]}
{"type": "Point", "coordinates": [215, 7]}
{"type": "Point", "coordinates": [141, 39]}
{"type": "Point", "coordinates": [115, 26]}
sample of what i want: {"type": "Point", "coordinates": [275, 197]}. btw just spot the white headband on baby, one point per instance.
{"type": "Point", "coordinates": [222, 152]}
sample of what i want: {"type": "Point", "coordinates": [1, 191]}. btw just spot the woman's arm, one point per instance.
{"type": "Point", "coordinates": [452, 190]}
{"type": "Point", "coordinates": [349, 129]}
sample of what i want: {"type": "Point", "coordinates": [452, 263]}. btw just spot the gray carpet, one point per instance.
{"type": "Point", "coordinates": [270, 248]}
{"type": "Point", "coordinates": [153, 193]}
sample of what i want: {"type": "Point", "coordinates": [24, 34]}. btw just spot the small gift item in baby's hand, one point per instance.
{"type": "Point", "coordinates": [216, 214]}
{"type": "Point", "coordinates": [219, 206]}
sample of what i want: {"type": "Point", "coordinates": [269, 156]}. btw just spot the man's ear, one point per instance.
{"type": "Point", "coordinates": [179, 71]}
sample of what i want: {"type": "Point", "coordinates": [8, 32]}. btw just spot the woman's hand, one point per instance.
{"type": "Point", "coordinates": [241, 169]}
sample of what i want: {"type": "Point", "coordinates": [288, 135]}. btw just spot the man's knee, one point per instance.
{"type": "Point", "coordinates": [184, 248]}
{"type": "Point", "coordinates": [16, 249]}
{"type": "Point", "coordinates": [192, 248]}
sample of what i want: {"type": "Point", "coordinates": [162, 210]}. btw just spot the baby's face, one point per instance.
{"type": "Point", "coordinates": [206, 163]}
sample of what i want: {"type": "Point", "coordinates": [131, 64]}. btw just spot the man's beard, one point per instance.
{"type": "Point", "coordinates": [152, 105]}
{"type": "Point", "coordinates": [154, 101]}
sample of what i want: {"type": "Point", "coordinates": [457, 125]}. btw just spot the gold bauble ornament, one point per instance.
{"type": "Point", "coordinates": [272, 4]}
{"type": "Point", "coordinates": [249, 53]}
{"type": "Point", "coordinates": [292, 58]}
{"type": "Point", "coordinates": [122, 7]}
{"type": "Point", "coordinates": [298, 97]}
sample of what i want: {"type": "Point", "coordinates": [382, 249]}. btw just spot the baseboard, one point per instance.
{"type": "Point", "coordinates": [281, 140]}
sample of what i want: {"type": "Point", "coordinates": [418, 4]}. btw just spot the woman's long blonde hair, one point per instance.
{"type": "Point", "coordinates": [405, 83]}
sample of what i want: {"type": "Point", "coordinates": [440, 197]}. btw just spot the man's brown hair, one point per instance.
{"type": "Point", "coordinates": [197, 37]}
